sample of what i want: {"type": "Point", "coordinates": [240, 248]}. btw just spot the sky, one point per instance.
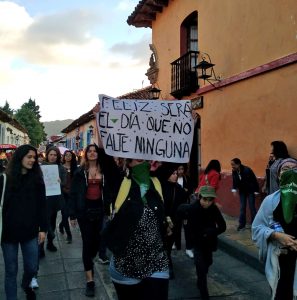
{"type": "Point", "coordinates": [63, 53]}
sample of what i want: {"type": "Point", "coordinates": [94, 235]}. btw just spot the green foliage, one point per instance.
{"type": "Point", "coordinates": [29, 117]}
{"type": "Point", "coordinates": [6, 108]}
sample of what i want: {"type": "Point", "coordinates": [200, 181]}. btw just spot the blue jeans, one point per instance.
{"type": "Point", "coordinates": [30, 261]}
{"type": "Point", "coordinates": [243, 200]}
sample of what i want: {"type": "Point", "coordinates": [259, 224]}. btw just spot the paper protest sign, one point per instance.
{"type": "Point", "coordinates": [146, 129]}
{"type": "Point", "coordinates": [51, 180]}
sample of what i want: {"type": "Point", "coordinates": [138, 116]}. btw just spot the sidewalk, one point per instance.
{"type": "Point", "coordinates": [239, 244]}
{"type": "Point", "coordinates": [61, 275]}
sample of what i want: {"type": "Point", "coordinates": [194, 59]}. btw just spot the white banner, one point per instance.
{"type": "Point", "coordinates": [51, 179]}
{"type": "Point", "coordinates": [146, 129]}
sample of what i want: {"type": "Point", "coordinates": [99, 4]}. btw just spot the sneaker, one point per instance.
{"type": "Point", "coordinates": [34, 284]}
{"type": "Point", "coordinates": [51, 247]}
{"type": "Point", "coordinates": [240, 228]}
{"type": "Point", "coordinates": [90, 289]}
{"type": "Point", "coordinates": [190, 253]}
{"type": "Point", "coordinates": [103, 259]}
{"type": "Point", "coordinates": [30, 294]}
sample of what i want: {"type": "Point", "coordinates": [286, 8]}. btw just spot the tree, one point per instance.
{"type": "Point", "coordinates": [34, 108]}
{"type": "Point", "coordinates": [6, 108]}
{"type": "Point", "coordinates": [31, 105]}
{"type": "Point", "coordinates": [28, 119]}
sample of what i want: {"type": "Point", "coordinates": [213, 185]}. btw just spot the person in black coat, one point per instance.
{"type": "Point", "coordinates": [205, 223]}
{"type": "Point", "coordinates": [245, 181]}
{"type": "Point", "coordinates": [24, 218]}
{"type": "Point", "coordinates": [173, 195]}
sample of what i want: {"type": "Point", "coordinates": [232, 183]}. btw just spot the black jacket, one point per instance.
{"type": "Point", "coordinates": [204, 224]}
{"type": "Point", "coordinates": [112, 178]}
{"type": "Point", "coordinates": [24, 210]}
{"type": "Point", "coordinates": [120, 229]}
{"type": "Point", "coordinates": [245, 181]}
{"type": "Point", "coordinates": [173, 195]}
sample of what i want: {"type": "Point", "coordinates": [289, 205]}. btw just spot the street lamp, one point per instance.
{"type": "Point", "coordinates": [154, 93]}
{"type": "Point", "coordinates": [207, 70]}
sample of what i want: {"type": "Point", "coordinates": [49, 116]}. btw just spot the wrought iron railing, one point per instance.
{"type": "Point", "coordinates": [184, 79]}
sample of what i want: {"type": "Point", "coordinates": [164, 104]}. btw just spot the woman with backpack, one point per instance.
{"type": "Point", "coordinates": [136, 235]}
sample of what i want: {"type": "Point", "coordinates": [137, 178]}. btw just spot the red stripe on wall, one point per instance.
{"type": "Point", "coordinates": [278, 63]}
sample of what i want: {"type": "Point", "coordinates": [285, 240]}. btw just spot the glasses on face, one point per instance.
{"type": "Point", "coordinates": [67, 154]}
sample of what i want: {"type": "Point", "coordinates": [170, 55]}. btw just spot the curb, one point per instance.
{"type": "Point", "coordinates": [240, 252]}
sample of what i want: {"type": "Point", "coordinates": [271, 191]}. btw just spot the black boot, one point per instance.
{"type": "Point", "coordinates": [90, 289]}
{"type": "Point", "coordinates": [51, 247]}
{"type": "Point", "coordinates": [30, 294]}
{"type": "Point", "coordinates": [61, 228]}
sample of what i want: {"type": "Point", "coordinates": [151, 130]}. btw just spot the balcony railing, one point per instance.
{"type": "Point", "coordinates": [184, 79]}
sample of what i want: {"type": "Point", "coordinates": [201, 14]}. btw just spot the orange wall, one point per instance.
{"type": "Point", "coordinates": [238, 35]}
{"type": "Point", "coordinates": [243, 118]}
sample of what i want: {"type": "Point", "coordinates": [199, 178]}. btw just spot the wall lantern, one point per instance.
{"type": "Point", "coordinates": [207, 71]}
{"type": "Point", "coordinates": [154, 93]}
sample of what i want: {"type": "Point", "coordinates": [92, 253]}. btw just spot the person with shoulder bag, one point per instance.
{"type": "Point", "coordinates": [24, 218]}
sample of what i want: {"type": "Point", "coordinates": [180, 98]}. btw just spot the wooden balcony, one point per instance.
{"type": "Point", "coordinates": [184, 79]}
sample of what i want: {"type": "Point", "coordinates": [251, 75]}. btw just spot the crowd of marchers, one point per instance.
{"type": "Point", "coordinates": [138, 209]}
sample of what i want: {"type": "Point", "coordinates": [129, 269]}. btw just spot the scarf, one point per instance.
{"type": "Point", "coordinates": [141, 174]}
{"type": "Point", "coordinates": [288, 190]}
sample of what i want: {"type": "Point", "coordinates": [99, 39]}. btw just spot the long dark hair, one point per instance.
{"type": "Point", "coordinates": [14, 168]}
{"type": "Point", "coordinates": [214, 164]}
{"type": "Point", "coordinates": [56, 149]}
{"type": "Point", "coordinates": [85, 163]}
{"type": "Point", "coordinates": [73, 162]}
{"type": "Point", "coordinates": [279, 149]}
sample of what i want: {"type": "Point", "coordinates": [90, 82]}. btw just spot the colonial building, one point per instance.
{"type": "Point", "coordinates": [236, 60]}
{"type": "Point", "coordinates": [11, 131]}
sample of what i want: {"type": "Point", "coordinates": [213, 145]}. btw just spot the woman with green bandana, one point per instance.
{"type": "Point", "coordinates": [274, 231]}
{"type": "Point", "coordinates": [139, 266]}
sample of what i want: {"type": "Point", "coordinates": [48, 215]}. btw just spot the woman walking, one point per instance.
{"type": "Point", "coordinates": [24, 218]}
{"type": "Point", "coordinates": [70, 165]}
{"type": "Point", "coordinates": [55, 202]}
{"type": "Point", "coordinates": [139, 265]}
{"type": "Point", "coordinates": [86, 208]}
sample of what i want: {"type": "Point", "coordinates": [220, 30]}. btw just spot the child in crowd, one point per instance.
{"type": "Point", "coordinates": [205, 222]}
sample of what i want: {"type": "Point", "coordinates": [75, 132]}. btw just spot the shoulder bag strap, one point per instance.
{"type": "Point", "coordinates": [122, 194]}
{"type": "Point", "coordinates": [3, 189]}
{"type": "Point", "coordinates": [157, 186]}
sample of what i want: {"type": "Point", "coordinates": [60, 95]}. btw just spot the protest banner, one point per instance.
{"type": "Point", "coordinates": [51, 180]}
{"type": "Point", "coordinates": [146, 129]}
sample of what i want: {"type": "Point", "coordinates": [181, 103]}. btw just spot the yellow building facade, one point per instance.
{"type": "Point", "coordinates": [253, 45]}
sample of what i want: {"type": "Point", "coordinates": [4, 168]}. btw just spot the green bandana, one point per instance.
{"type": "Point", "coordinates": [288, 189]}
{"type": "Point", "coordinates": [141, 174]}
